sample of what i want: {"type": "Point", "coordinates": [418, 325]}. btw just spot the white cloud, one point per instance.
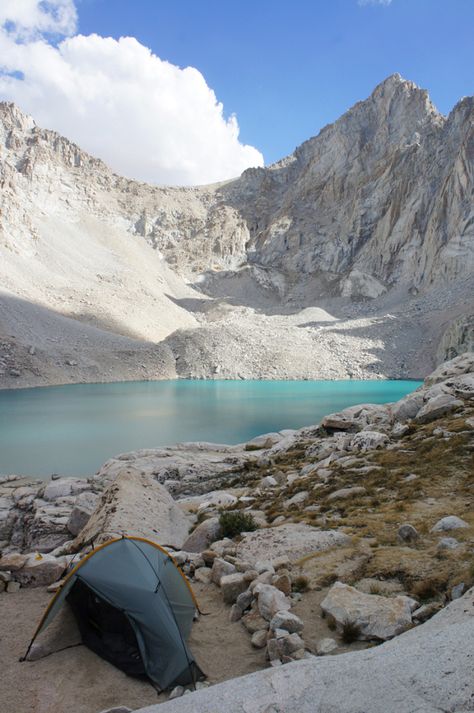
{"type": "Point", "coordinates": [145, 117]}
{"type": "Point", "coordinates": [385, 3]}
{"type": "Point", "coordinates": [29, 18]}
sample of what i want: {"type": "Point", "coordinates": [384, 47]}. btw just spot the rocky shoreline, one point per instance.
{"type": "Point", "coordinates": [367, 516]}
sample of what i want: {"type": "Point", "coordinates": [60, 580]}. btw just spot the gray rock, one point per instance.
{"type": "Point", "coordinates": [203, 575]}
{"type": "Point", "coordinates": [12, 587]}
{"type": "Point", "coordinates": [203, 535]}
{"type": "Point", "coordinates": [450, 522]}
{"type": "Point", "coordinates": [368, 441]}
{"type": "Point", "coordinates": [296, 500]}
{"type": "Point", "coordinates": [177, 692]}
{"type": "Point", "coordinates": [326, 646]}
{"type": "Point", "coordinates": [437, 407]}
{"type": "Point", "coordinates": [347, 493]}
{"type": "Point", "coordinates": [244, 600]}
{"type": "Point", "coordinates": [458, 590]}
{"type": "Point", "coordinates": [135, 502]}
{"type": "Point", "coordinates": [448, 543]}
{"type": "Point", "coordinates": [407, 407]}
{"type": "Point", "coordinates": [376, 617]}
{"type": "Point", "coordinates": [287, 621]}
{"type": "Point", "coordinates": [80, 515]}
{"type": "Point", "coordinates": [40, 570]}
{"type": "Point", "coordinates": [291, 540]}
{"type": "Point", "coordinates": [221, 568]}
{"type": "Point", "coordinates": [231, 586]}
{"type": "Point", "coordinates": [254, 622]}
{"type": "Point", "coordinates": [270, 601]}
{"type": "Point", "coordinates": [259, 639]}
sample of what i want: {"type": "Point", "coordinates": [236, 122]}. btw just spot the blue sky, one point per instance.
{"type": "Point", "coordinates": [196, 91]}
{"type": "Point", "coordinates": [288, 68]}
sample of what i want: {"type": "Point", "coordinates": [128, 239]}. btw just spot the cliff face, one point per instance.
{"type": "Point", "coordinates": [379, 202]}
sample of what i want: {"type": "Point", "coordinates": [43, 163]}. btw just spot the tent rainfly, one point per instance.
{"type": "Point", "coordinates": [134, 608]}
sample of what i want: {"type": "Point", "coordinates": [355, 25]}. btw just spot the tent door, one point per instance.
{"type": "Point", "coordinates": [105, 629]}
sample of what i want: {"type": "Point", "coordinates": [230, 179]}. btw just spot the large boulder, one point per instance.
{"type": "Point", "coordinates": [135, 504]}
{"type": "Point", "coordinates": [271, 601]}
{"type": "Point", "coordinates": [294, 540]}
{"type": "Point", "coordinates": [80, 515]}
{"type": "Point", "coordinates": [407, 407]}
{"type": "Point", "coordinates": [203, 535]}
{"type": "Point", "coordinates": [437, 407]}
{"type": "Point", "coordinates": [463, 364]}
{"type": "Point", "coordinates": [450, 522]}
{"type": "Point", "coordinates": [368, 441]}
{"type": "Point", "coordinates": [40, 570]}
{"type": "Point", "coordinates": [374, 616]}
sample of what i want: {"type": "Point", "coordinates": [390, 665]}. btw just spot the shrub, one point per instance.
{"type": "Point", "coordinates": [233, 522]}
{"type": "Point", "coordinates": [428, 588]}
{"type": "Point", "coordinates": [350, 631]}
{"type": "Point", "coordinates": [300, 583]}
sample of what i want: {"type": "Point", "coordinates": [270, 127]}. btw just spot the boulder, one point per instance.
{"type": "Point", "coordinates": [271, 601]}
{"type": "Point", "coordinates": [448, 543]}
{"type": "Point", "coordinates": [346, 493]}
{"type": "Point", "coordinates": [407, 407]}
{"type": "Point", "coordinates": [463, 364]}
{"type": "Point", "coordinates": [376, 617]}
{"type": "Point", "coordinates": [451, 522]}
{"type": "Point", "coordinates": [39, 570]}
{"type": "Point", "coordinates": [203, 535]}
{"type": "Point", "coordinates": [203, 575]}
{"type": "Point", "coordinates": [12, 562]}
{"type": "Point", "coordinates": [293, 540]}
{"type": "Point", "coordinates": [232, 585]}
{"type": "Point", "coordinates": [368, 441]}
{"type": "Point", "coordinates": [283, 583]}
{"type": "Point", "coordinates": [267, 440]}
{"type": "Point", "coordinates": [326, 646]}
{"type": "Point", "coordinates": [287, 621]}
{"type": "Point", "coordinates": [259, 639]}
{"type": "Point", "coordinates": [135, 504]}
{"type": "Point", "coordinates": [254, 622]}
{"type": "Point", "coordinates": [221, 568]}
{"type": "Point", "coordinates": [80, 515]}
{"type": "Point", "coordinates": [297, 500]}
{"type": "Point", "coordinates": [437, 407]}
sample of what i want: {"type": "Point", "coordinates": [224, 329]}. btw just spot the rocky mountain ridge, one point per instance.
{"type": "Point", "coordinates": [370, 220]}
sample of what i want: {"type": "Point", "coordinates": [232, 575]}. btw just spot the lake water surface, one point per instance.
{"type": "Point", "coordinates": [73, 429]}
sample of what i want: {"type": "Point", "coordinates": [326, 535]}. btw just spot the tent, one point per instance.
{"type": "Point", "coordinates": [135, 608]}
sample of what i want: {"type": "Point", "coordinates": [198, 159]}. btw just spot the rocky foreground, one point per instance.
{"type": "Point", "coordinates": [354, 532]}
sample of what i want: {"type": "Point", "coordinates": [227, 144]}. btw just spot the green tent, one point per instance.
{"type": "Point", "coordinates": [135, 608]}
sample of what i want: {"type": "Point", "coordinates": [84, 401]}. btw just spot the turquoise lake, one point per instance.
{"type": "Point", "coordinates": [72, 430]}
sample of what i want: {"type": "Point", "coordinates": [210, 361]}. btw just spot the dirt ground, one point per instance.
{"type": "Point", "coordinates": [77, 679]}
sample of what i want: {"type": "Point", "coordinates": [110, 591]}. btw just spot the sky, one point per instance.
{"type": "Point", "coordinates": [195, 91]}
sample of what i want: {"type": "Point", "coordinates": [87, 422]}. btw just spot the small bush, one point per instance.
{"type": "Point", "coordinates": [375, 588]}
{"type": "Point", "coordinates": [428, 588]}
{"type": "Point", "coordinates": [350, 631]}
{"type": "Point", "coordinates": [233, 522]}
{"type": "Point", "coordinates": [300, 583]}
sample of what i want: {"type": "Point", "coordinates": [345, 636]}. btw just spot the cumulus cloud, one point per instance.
{"type": "Point", "coordinates": [145, 117]}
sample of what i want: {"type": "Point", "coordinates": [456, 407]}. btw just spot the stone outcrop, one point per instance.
{"type": "Point", "coordinates": [379, 201]}
{"type": "Point", "coordinates": [294, 541]}
{"type": "Point", "coordinates": [135, 504]}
